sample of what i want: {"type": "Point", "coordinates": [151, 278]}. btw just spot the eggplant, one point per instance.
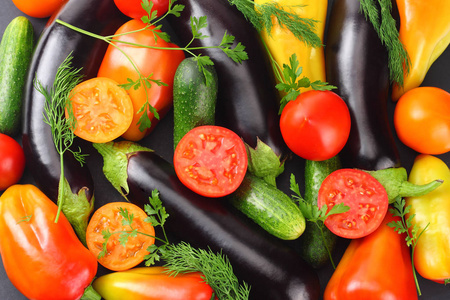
{"type": "Point", "coordinates": [273, 270]}
{"type": "Point", "coordinates": [54, 45]}
{"type": "Point", "coordinates": [247, 98]}
{"type": "Point", "coordinates": [357, 63]}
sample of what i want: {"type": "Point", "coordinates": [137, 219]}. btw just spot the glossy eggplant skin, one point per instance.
{"type": "Point", "coordinates": [357, 63]}
{"type": "Point", "coordinates": [54, 45]}
{"type": "Point", "coordinates": [247, 99]}
{"type": "Point", "coordinates": [274, 271]}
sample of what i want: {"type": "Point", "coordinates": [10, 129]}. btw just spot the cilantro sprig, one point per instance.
{"type": "Point", "coordinates": [153, 24]}
{"type": "Point", "coordinates": [315, 214]}
{"type": "Point", "coordinates": [180, 258]}
{"type": "Point", "coordinates": [406, 225]}
{"type": "Point", "coordinates": [291, 83]}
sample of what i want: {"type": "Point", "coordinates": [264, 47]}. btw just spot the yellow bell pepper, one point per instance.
{"type": "Point", "coordinates": [432, 252]}
{"type": "Point", "coordinates": [425, 34]}
{"type": "Point", "coordinates": [282, 43]}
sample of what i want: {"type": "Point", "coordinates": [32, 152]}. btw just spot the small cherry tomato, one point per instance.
{"type": "Point", "coordinates": [39, 9]}
{"type": "Point", "coordinates": [366, 197]}
{"type": "Point", "coordinates": [134, 10]}
{"type": "Point", "coordinates": [102, 109]}
{"type": "Point", "coordinates": [12, 161]}
{"type": "Point", "coordinates": [119, 257]}
{"type": "Point", "coordinates": [211, 160]}
{"type": "Point", "coordinates": [421, 120]}
{"type": "Point", "coordinates": [316, 125]}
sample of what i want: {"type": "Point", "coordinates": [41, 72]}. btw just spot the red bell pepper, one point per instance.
{"type": "Point", "coordinates": [377, 266]}
{"type": "Point", "coordinates": [43, 259]}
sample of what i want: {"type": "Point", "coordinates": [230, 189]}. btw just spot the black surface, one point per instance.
{"type": "Point", "coordinates": [160, 141]}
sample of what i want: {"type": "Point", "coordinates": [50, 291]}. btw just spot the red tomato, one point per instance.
{"type": "Point", "coordinates": [119, 257]}
{"type": "Point", "coordinates": [39, 9]}
{"type": "Point", "coordinates": [366, 197]}
{"type": "Point", "coordinates": [316, 125]}
{"type": "Point", "coordinates": [421, 120]}
{"type": "Point", "coordinates": [12, 161]}
{"type": "Point", "coordinates": [211, 160]}
{"type": "Point", "coordinates": [134, 10]}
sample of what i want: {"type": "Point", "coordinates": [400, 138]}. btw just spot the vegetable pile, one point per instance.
{"type": "Point", "coordinates": [227, 149]}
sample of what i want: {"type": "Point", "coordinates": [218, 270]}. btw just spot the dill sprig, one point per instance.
{"type": "Point", "coordinates": [215, 267]}
{"type": "Point", "coordinates": [56, 104]}
{"type": "Point", "coordinates": [236, 53]}
{"type": "Point", "coordinates": [381, 18]}
{"type": "Point", "coordinates": [315, 214]}
{"type": "Point", "coordinates": [405, 225]}
{"type": "Point", "coordinates": [262, 16]}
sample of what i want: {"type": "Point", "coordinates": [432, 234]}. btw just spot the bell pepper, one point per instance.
{"type": "Point", "coordinates": [43, 259]}
{"type": "Point", "coordinates": [158, 64]}
{"type": "Point", "coordinates": [282, 43]}
{"type": "Point", "coordinates": [377, 266]}
{"type": "Point", "coordinates": [425, 34]}
{"type": "Point", "coordinates": [432, 251]}
{"type": "Point", "coordinates": [152, 283]}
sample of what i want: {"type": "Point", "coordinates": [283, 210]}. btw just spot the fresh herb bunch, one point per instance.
{"type": "Point", "coordinates": [56, 104]}
{"type": "Point", "coordinates": [181, 258]}
{"type": "Point", "coordinates": [315, 214]}
{"type": "Point", "coordinates": [262, 16]}
{"type": "Point", "coordinates": [404, 225]}
{"type": "Point", "coordinates": [291, 83]}
{"type": "Point", "coordinates": [384, 24]}
{"type": "Point", "coordinates": [236, 53]}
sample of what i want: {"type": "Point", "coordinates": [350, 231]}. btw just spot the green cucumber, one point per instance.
{"type": "Point", "coordinates": [16, 49]}
{"type": "Point", "coordinates": [314, 247]}
{"type": "Point", "coordinates": [194, 101]}
{"type": "Point", "coordinates": [268, 207]}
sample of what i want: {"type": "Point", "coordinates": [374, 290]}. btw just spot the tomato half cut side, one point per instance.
{"type": "Point", "coordinates": [102, 109]}
{"type": "Point", "coordinates": [211, 160]}
{"type": "Point", "coordinates": [119, 257]}
{"type": "Point", "coordinates": [366, 197]}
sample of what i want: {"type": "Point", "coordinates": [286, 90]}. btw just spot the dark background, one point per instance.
{"type": "Point", "coordinates": [438, 76]}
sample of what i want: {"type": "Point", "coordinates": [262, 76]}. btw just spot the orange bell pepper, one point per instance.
{"type": "Point", "coordinates": [159, 64]}
{"type": "Point", "coordinates": [425, 34]}
{"type": "Point", "coordinates": [152, 283]}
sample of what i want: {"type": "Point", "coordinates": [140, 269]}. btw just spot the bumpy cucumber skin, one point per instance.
{"type": "Point", "coordinates": [194, 102]}
{"type": "Point", "coordinates": [269, 207]}
{"type": "Point", "coordinates": [312, 248]}
{"type": "Point", "coordinates": [16, 49]}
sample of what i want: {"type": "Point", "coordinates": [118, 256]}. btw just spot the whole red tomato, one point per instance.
{"type": "Point", "coordinates": [12, 161]}
{"type": "Point", "coordinates": [38, 9]}
{"type": "Point", "coordinates": [134, 10]}
{"type": "Point", "coordinates": [316, 125]}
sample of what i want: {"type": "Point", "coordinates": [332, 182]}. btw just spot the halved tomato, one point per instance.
{"type": "Point", "coordinates": [102, 109]}
{"type": "Point", "coordinates": [211, 160]}
{"type": "Point", "coordinates": [119, 257]}
{"type": "Point", "coordinates": [366, 197]}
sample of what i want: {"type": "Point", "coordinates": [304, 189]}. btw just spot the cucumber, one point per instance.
{"type": "Point", "coordinates": [194, 101]}
{"type": "Point", "coordinates": [312, 246]}
{"type": "Point", "coordinates": [268, 207]}
{"type": "Point", "coordinates": [16, 49]}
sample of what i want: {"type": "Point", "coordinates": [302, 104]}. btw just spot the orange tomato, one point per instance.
{"type": "Point", "coordinates": [158, 64]}
{"type": "Point", "coordinates": [421, 120]}
{"type": "Point", "coordinates": [119, 257]}
{"type": "Point", "coordinates": [38, 9]}
{"type": "Point", "coordinates": [102, 109]}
